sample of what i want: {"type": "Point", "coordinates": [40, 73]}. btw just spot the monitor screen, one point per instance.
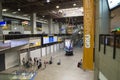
{"type": "Point", "coordinates": [51, 39]}
{"type": "Point", "coordinates": [55, 38]}
{"type": "Point", "coordinates": [113, 3]}
{"type": "Point", "coordinates": [2, 23]}
{"type": "Point", "coordinates": [45, 40]}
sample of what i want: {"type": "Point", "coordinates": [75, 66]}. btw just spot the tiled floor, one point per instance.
{"type": "Point", "coordinates": [68, 69]}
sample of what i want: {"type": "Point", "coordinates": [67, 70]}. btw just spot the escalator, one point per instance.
{"type": "Point", "coordinates": [74, 40]}
{"type": "Point", "coordinates": [77, 36]}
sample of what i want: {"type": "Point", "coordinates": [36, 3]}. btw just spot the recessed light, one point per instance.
{"type": "Point", "coordinates": [57, 6]}
{"type": "Point", "coordinates": [48, 1]}
{"type": "Point", "coordinates": [19, 9]}
{"type": "Point", "coordinates": [74, 4]}
{"type": "Point", "coordinates": [4, 10]}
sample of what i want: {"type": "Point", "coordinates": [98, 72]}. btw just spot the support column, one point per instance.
{"type": "Point", "coordinates": [1, 31]}
{"type": "Point", "coordinates": [50, 25]}
{"type": "Point", "coordinates": [33, 23]}
{"type": "Point", "coordinates": [88, 34]}
{"type": "Point", "coordinates": [60, 27]}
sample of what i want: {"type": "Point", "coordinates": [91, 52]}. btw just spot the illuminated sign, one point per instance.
{"type": "Point", "coordinates": [2, 23]}
{"type": "Point", "coordinates": [113, 3]}
{"type": "Point", "coordinates": [45, 40]}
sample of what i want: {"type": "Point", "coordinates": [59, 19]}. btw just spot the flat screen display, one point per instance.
{"type": "Point", "coordinates": [113, 3]}
{"type": "Point", "coordinates": [2, 23]}
{"type": "Point", "coordinates": [55, 38]}
{"type": "Point", "coordinates": [51, 39]}
{"type": "Point", "coordinates": [45, 40]}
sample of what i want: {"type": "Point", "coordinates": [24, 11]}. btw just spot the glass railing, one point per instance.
{"type": "Point", "coordinates": [18, 76]}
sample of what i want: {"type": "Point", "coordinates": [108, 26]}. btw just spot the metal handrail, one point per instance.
{"type": "Point", "coordinates": [110, 40]}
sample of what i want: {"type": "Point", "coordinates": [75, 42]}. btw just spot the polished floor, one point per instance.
{"type": "Point", "coordinates": [68, 69]}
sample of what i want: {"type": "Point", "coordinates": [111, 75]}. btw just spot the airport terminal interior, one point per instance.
{"type": "Point", "coordinates": [59, 40]}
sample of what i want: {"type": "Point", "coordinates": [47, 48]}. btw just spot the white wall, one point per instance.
{"type": "Point", "coordinates": [45, 28]}
{"type": "Point", "coordinates": [23, 55]}
{"type": "Point", "coordinates": [52, 48]}
{"type": "Point", "coordinates": [48, 50]}
{"type": "Point", "coordinates": [102, 77]}
{"type": "Point", "coordinates": [6, 31]}
{"type": "Point", "coordinates": [11, 59]}
{"type": "Point", "coordinates": [35, 53]}
{"type": "Point", "coordinates": [55, 48]}
{"type": "Point", "coordinates": [56, 26]}
{"type": "Point", "coordinates": [27, 32]}
{"type": "Point", "coordinates": [44, 51]}
{"type": "Point", "coordinates": [18, 28]}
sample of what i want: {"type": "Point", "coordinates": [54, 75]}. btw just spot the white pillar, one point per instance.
{"type": "Point", "coordinates": [50, 25]}
{"type": "Point", "coordinates": [33, 23]}
{"type": "Point", "coordinates": [60, 26]}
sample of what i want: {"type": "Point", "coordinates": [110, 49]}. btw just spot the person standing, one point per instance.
{"type": "Point", "coordinates": [39, 63]}
{"type": "Point", "coordinates": [23, 62]}
{"type": "Point", "coordinates": [45, 64]}
{"type": "Point", "coordinates": [79, 65]}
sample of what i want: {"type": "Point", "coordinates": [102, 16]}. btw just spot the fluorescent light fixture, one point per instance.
{"type": "Point", "coordinates": [14, 12]}
{"type": "Point", "coordinates": [57, 6]}
{"type": "Point", "coordinates": [4, 10]}
{"type": "Point", "coordinates": [48, 1]}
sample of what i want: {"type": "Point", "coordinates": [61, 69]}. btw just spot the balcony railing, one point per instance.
{"type": "Point", "coordinates": [112, 40]}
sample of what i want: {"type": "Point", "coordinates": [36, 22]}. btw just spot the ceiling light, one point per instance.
{"type": "Point", "coordinates": [48, 1]}
{"type": "Point", "coordinates": [15, 28]}
{"type": "Point", "coordinates": [19, 9]}
{"type": "Point", "coordinates": [57, 6]}
{"type": "Point", "coordinates": [74, 4]}
{"type": "Point", "coordinates": [60, 11]}
{"type": "Point", "coordinates": [4, 10]}
{"type": "Point", "coordinates": [43, 16]}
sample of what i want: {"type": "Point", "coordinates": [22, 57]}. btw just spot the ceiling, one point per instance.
{"type": "Point", "coordinates": [43, 8]}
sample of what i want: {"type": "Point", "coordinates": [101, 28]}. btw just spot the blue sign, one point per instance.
{"type": "Point", "coordinates": [51, 39]}
{"type": "Point", "coordinates": [2, 23]}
